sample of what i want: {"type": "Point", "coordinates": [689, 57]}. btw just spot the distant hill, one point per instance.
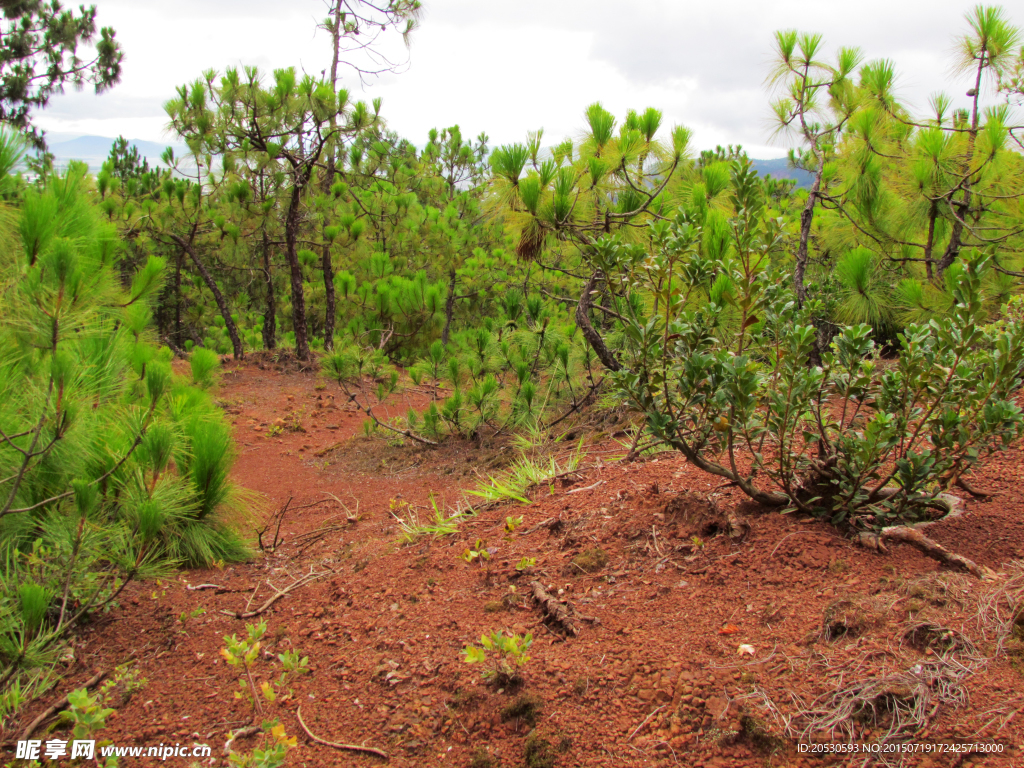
{"type": "Point", "coordinates": [779, 168]}
{"type": "Point", "coordinates": [94, 150]}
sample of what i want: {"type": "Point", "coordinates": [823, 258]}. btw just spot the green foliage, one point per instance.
{"type": "Point", "coordinates": [272, 753]}
{"type": "Point", "coordinates": [40, 54]}
{"type": "Point", "coordinates": [204, 364]}
{"type": "Point", "coordinates": [91, 415]}
{"type": "Point", "coordinates": [525, 473]}
{"type": "Point", "coordinates": [504, 655]}
{"type": "Point", "coordinates": [479, 552]}
{"type": "Point", "coordinates": [849, 439]}
{"type": "Point", "coordinates": [414, 526]}
{"type": "Point", "coordinates": [85, 714]}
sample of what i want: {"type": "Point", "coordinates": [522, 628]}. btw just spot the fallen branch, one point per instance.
{"type": "Point", "coordinates": [918, 540]}
{"type": "Point", "coordinates": [329, 448]}
{"type": "Point", "coordinates": [300, 582]}
{"type": "Point", "coordinates": [556, 610]}
{"type": "Point", "coordinates": [59, 705]}
{"type": "Point", "coordinates": [369, 412]}
{"type": "Point", "coordinates": [338, 745]}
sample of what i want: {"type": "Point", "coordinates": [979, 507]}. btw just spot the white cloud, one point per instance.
{"type": "Point", "coordinates": [505, 68]}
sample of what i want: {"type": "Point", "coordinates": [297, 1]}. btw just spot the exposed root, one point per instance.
{"type": "Point", "coordinates": [556, 610]}
{"type": "Point", "coordinates": [930, 547]}
{"type": "Point", "coordinates": [737, 525]}
{"type": "Point", "coordinates": [337, 745]}
{"type": "Point", "coordinates": [976, 492]}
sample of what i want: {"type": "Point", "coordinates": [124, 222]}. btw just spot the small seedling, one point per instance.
{"type": "Point", "coordinates": [243, 653]}
{"type": "Point", "coordinates": [526, 562]}
{"type": "Point", "coordinates": [511, 523]}
{"type": "Point", "coordinates": [505, 654]}
{"type": "Point", "coordinates": [185, 616]}
{"type": "Point", "coordinates": [293, 665]}
{"type": "Point", "coordinates": [124, 684]}
{"type": "Point", "coordinates": [85, 714]}
{"type": "Point", "coordinates": [479, 552]}
{"type": "Point", "coordinates": [271, 754]}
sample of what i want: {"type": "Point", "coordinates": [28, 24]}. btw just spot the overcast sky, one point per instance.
{"type": "Point", "coordinates": [508, 67]}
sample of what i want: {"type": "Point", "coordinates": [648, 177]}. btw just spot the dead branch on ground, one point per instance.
{"type": "Point", "coordinates": [338, 745]}
{"type": "Point", "coordinates": [278, 594]}
{"type": "Point", "coordinates": [556, 610]}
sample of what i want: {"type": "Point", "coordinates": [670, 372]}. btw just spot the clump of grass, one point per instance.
{"type": "Point", "coordinates": [538, 752]}
{"type": "Point", "coordinates": [847, 618]}
{"type": "Point", "coordinates": [414, 526]}
{"type": "Point", "coordinates": [482, 759]}
{"type": "Point", "coordinates": [754, 731]}
{"type": "Point", "coordinates": [526, 708]}
{"type": "Point", "coordinates": [591, 560]}
{"type": "Point", "coordinates": [525, 473]}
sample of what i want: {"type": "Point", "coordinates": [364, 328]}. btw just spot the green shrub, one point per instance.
{"type": "Point", "coordinates": [91, 416]}
{"type": "Point", "coordinates": [727, 382]}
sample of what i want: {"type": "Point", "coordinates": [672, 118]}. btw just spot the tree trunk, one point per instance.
{"type": "Point", "coordinates": [291, 230]}
{"type": "Point", "coordinates": [806, 220]}
{"type": "Point", "coordinates": [449, 308]}
{"type": "Point", "coordinates": [177, 301]}
{"type": "Point", "coordinates": [222, 304]}
{"type": "Point", "coordinates": [329, 291]}
{"type": "Point", "coordinates": [933, 214]}
{"type": "Point", "coordinates": [963, 207]}
{"type": "Point", "coordinates": [592, 336]}
{"type": "Point", "coordinates": [270, 308]}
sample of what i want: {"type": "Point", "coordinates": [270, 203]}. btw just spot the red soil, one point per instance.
{"type": "Point", "coordinates": [655, 679]}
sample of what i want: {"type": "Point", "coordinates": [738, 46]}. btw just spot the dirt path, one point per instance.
{"type": "Point", "coordinates": [668, 608]}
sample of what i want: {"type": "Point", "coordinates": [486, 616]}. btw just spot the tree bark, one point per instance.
{"type": "Point", "coordinates": [291, 230]}
{"type": "Point", "coordinates": [806, 220]}
{"type": "Point", "coordinates": [222, 304]}
{"type": "Point", "coordinates": [329, 291]}
{"type": "Point", "coordinates": [449, 307]}
{"type": "Point", "coordinates": [328, 266]}
{"type": "Point", "coordinates": [593, 338]}
{"type": "Point", "coordinates": [963, 207]}
{"type": "Point", "coordinates": [270, 308]}
{"type": "Point", "coordinates": [177, 301]}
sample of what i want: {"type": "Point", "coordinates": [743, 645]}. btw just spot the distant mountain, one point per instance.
{"type": "Point", "coordinates": [94, 150]}
{"type": "Point", "coordinates": [779, 168]}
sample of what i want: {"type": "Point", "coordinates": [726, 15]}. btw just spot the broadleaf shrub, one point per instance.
{"type": "Point", "coordinates": [723, 376]}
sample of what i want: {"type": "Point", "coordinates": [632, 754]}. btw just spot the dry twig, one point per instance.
{"type": "Point", "coordinates": [338, 745]}
{"type": "Point", "coordinates": [278, 594]}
